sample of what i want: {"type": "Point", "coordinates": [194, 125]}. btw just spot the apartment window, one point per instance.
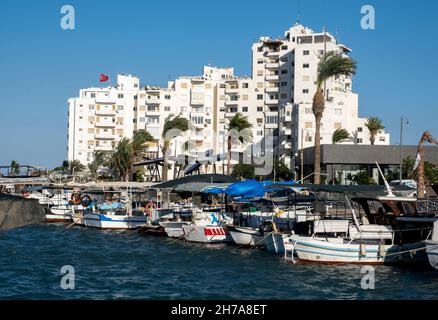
{"type": "Point", "coordinates": [197, 120]}
{"type": "Point", "coordinates": [80, 129]}
{"type": "Point", "coordinates": [308, 138]}
{"type": "Point", "coordinates": [259, 72]}
{"type": "Point", "coordinates": [167, 97]}
{"type": "Point", "coordinates": [305, 65]}
{"type": "Point", "coordinates": [91, 131]}
{"type": "Point", "coordinates": [259, 85]}
{"type": "Point", "coordinates": [183, 85]}
{"type": "Point", "coordinates": [166, 108]}
{"type": "Point", "coordinates": [134, 120]}
{"type": "Point", "coordinates": [306, 52]}
{"type": "Point", "coordinates": [259, 97]}
{"type": "Point", "coordinates": [338, 112]}
{"type": "Point", "coordinates": [283, 71]}
{"type": "Point", "coordinates": [222, 97]}
{"type": "Point", "coordinates": [135, 108]}
{"type": "Point", "coordinates": [271, 119]}
{"type": "Point", "coordinates": [142, 119]}
{"type": "Point", "coordinates": [306, 78]}
{"type": "Point", "coordinates": [208, 86]}
{"type": "Point", "coordinates": [120, 108]}
{"type": "Point", "coordinates": [245, 85]}
{"type": "Point", "coordinates": [308, 125]}
{"type": "Point", "coordinates": [259, 120]}
{"type": "Point", "coordinates": [80, 117]}
{"type": "Point", "coordinates": [259, 133]}
{"type": "Point", "coordinates": [305, 90]}
{"type": "Point", "coordinates": [244, 109]}
{"type": "Point", "coordinates": [359, 140]}
{"type": "Point", "coordinates": [360, 129]}
{"type": "Point", "coordinates": [120, 95]}
{"type": "Point", "coordinates": [284, 84]}
{"type": "Point", "coordinates": [260, 61]}
{"type": "Point", "coordinates": [283, 96]}
{"type": "Point", "coordinates": [337, 125]}
{"type": "Point", "coordinates": [151, 108]}
{"type": "Point", "coordinates": [208, 121]}
{"type": "Point", "coordinates": [222, 86]}
{"type": "Point", "coordinates": [259, 109]}
{"type": "Point", "coordinates": [283, 59]}
{"type": "Point", "coordinates": [382, 139]}
{"type": "Point", "coordinates": [91, 107]}
{"type": "Point", "coordinates": [245, 97]}
{"type": "Point", "coordinates": [284, 47]}
{"type": "Point", "coordinates": [260, 49]}
{"type": "Point", "coordinates": [308, 111]}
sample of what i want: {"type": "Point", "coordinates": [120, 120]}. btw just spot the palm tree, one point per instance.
{"type": "Point", "coordinates": [172, 127]}
{"type": "Point", "coordinates": [100, 159]}
{"type": "Point", "coordinates": [141, 137]}
{"type": "Point", "coordinates": [15, 168]}
{"type": "Point", "coordinates": [340, 135]}
{"type": "Point", "coordinates": [121, 159]}
{"type": "Point", "coordinates": [238, 124]}
{"type": "Point", "coordinates": [75, 165]}
{"type": "Point", "coordinates": [331, 64]}
{"type": "Point", "coordinates": [374, 125]}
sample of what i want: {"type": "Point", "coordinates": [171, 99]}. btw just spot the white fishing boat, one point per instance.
{"type": "Point", "coordinates": [61, 213]}
{"type": "Point", "coordinates": [174, 229]}
{"type": "Point", "coordinates": [111, 220]}
{"type": "Point", "coordinates": [432, 253]}
{"type": "Point", "coordinates": [246, 236]}
{"type": "Point", "coordinates": [208, 227]}
{"type": "Point", "coordinates": [115, 215]}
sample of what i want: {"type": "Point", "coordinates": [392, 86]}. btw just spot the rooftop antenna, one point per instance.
{"type": "Point", "coordinates": [388, 187]}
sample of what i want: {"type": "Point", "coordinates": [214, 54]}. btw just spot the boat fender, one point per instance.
{"type": "Point", "coordinates": [362, 250]}
{"type": "Point", "coordinates": [382, 250]}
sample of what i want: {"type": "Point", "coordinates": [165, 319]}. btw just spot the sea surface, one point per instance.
{"type": "Point", "coordinates": [128, 265]}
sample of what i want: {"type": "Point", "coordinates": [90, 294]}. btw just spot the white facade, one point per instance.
{"type": "Point", "coordinates": [277, 100]}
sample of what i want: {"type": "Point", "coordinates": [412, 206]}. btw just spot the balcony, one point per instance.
{"type": "Point", "coordinates": [286, 118]}
{"type": "Point", "coordinates": [104, 136]}
{"type": "Point", "coordinates": [153, 100]}
{"type": "Point", "coordinates": [273, 53]}
{"type": "Point", "coordinates": [273, 77]}
{"type": "Point", "coordinates": [154, 112]}
{"type": "Point", "coordinates": [231, 102]}
{"type": "Point", "coordinates": [106, 112]}
{"type": "Point", "coordinates": [231, 90]}
{"type": "Point", "coordinates": [286, 145]}
{"type": "Point", "coordinates": [272, 101]}
{"type": "Point", "coordinates": [271, 125]}
{"type": "Point", "coordinates": [229, 114]}
{"type": "Point", "coordinates": [272, 65]}
{"type": "Point", "coordinates": [105, 124]}
{"type": "Point", "coordinates": [103, 148]}
{"type": "Point", "coordinates": [286, 132]}
{"type": "Point", "coordinates": [271, 89]}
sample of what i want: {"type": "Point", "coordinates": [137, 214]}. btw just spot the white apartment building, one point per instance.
{"type": "Point", "coordinates": [285, 74]}
{"type": "Point", "coordinates": [277, 99]}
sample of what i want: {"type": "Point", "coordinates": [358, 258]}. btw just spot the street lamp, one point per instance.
{"type": "Point", "coordinates": [403, 121]}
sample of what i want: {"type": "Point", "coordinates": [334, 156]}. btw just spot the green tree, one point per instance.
{"type": "Point", "coordinates": [331, 64]}
{"type": "Point", "coordinates": [100, 159]}
{"type": "Point", "coordinates": [340, 135]}
{"type": "Point", "coordinates": [15, 168]}
{"type": "Point", "coordinates": [239, 125]}
{"type": "Point", "coordinates": [75, 166]}
{"type": "Point", "coordinates": [282, 171]}
{"type": "Point", "coordinates": [243, 171]}
{"type": "Point", "coordinates": [138, 147]}
{"type": "Point", "coordinates": [364, 178]}
{"type": "Point", "coordinates": [430, 171]}
{"type": "Point", "coordinates": [374, 125]}
{"type": "Point", "coordinates": [121, 159]}
{"type": "Point", "coordinates": [172, 127]}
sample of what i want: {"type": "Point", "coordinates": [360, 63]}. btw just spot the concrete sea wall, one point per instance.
{"type": "Point", "coordinates": [18, 212]}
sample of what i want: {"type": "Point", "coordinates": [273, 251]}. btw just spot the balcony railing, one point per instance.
{"type": "Point", "coordinates": [106, 112]}
{"type": "Point", "coordinates": [273, 77]}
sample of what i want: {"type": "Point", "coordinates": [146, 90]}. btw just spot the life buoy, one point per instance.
{"type": "Point", "coordinates": [149, 207]}
{"type": "Point", "coordinates": [76, 199]}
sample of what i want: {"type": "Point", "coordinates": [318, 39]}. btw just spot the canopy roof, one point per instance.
{"type": "Point", "coordinates": [206, 178]}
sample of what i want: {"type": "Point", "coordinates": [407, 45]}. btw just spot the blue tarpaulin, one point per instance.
{"type": "Point", "coordinates": [250, 188]}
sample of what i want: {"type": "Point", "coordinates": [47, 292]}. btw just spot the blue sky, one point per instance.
{"type": "Point", "coordinates": [41, 65]}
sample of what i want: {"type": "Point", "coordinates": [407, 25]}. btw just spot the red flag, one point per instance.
{"type": "Point", "coordinates": [103, 77]}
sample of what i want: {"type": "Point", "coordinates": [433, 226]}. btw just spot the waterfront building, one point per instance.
{"type": "Point", "coordinates": [277, 99]}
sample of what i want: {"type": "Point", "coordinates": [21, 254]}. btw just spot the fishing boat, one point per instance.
{"type": "Point", "coordinates": [246, 236]}
{"type": "Point", "coordinates": [115, 214]}
{"type": "Point", "coordinates": [432, 253]}
{"type": "Point", "coordinates": [208, 226]}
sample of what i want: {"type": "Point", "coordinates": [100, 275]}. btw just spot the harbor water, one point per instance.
{"type": "Point", "coordinates": [128, 265]}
